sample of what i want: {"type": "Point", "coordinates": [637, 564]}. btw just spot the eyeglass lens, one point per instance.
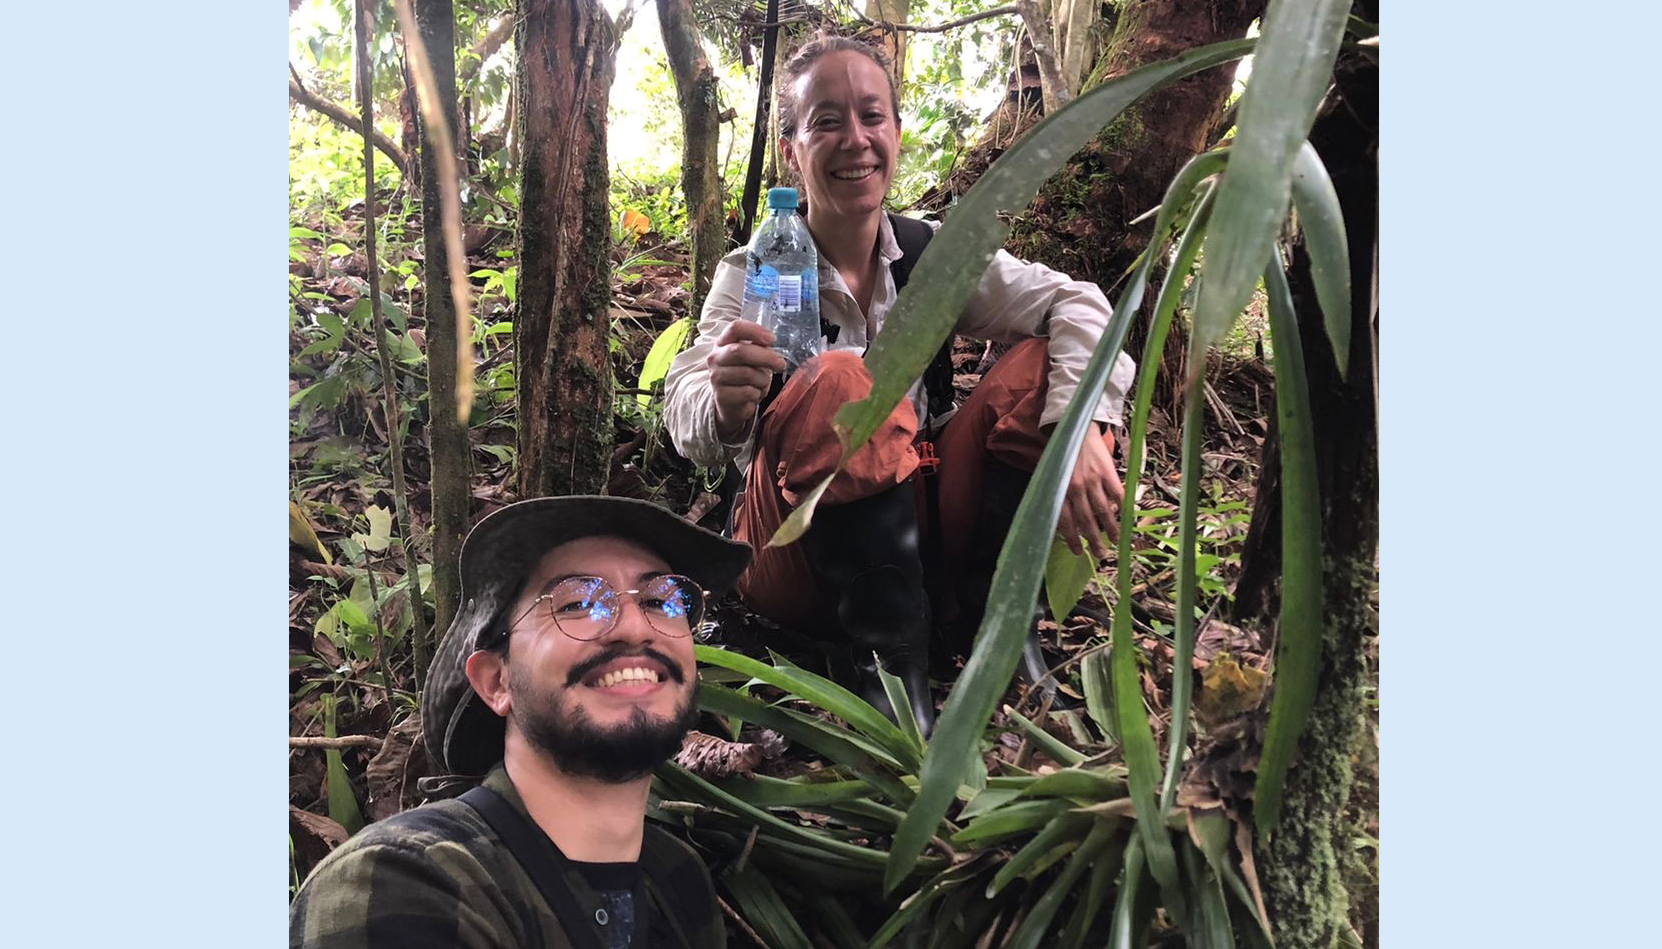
{"type": "Point", "coordinates": [588, 607]}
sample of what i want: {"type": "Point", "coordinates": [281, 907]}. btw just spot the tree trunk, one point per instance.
{"type": "Point", "coordinates": [562, 330]}
{"type": "Point", "coordinates": [447, 435]}
{"type": "Point", "coordinates": [1303, 863]}
{"type": "Point", "coordinates": [892, 42]}
{"type": "Point", "coordinates": [697, 87]}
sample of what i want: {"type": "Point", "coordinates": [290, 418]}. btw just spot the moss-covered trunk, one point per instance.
{"type": "Point", "coordinates": [697, 86]}
{"type": "Point", "coordinates": [562, 328]}
{"type": "Point", "coordinates": [1304, 863]}
{"type": "Point", "coordinates": [447, 435]}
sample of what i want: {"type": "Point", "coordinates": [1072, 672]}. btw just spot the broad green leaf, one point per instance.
{"type": "Point", "coordinates": [343, 804]}
{"type": "Point", "coordinates": [659, 357]}
{"type": "Point", "coordinates": [986, 800]}
{"type": "Point", "coordinates": [337, 249]}
{"type": "Point", "coordinates": [1323, 224]}
{"type": "Point", "coordinates": [1299, 629]}
{"type": "Point", "coordinates": [827, 740]}
{"type": "Point", "coordinates": [1063, 830]}
{"type": "Point", "coordinates": [1292, 67]}
{"type": "Point", "coordinates": [1066, 576]}
{"type": "Point", "coordinates": [823, 694]}
{"type": "Point", "coordinates": [1099, 691]}
{"type": "Point", "coordinates": [952, 265]}
{"type": "Point", "coordinates": [380, 529]}
{"type": "Point", "coordinates": [304, 233]}
{"type": "Point", "coordinates": [1037, 921]}
{"type": "Point", "coordinates": [1048, 743]}
{"type": "Point", "coordinates": [336, 329]}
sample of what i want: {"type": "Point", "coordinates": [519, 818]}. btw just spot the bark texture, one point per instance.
{"type": "Point", "coordinates": [1304, 863]}
{"type": "Point", "coordinates": [697, 86]}
{"type": "Point", "coordinates": [562, 329]}
{"type": "Point", "coordinates": [447, 435]}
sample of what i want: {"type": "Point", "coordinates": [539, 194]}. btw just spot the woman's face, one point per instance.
{"type": "Point", "coordinates": [846, 137]}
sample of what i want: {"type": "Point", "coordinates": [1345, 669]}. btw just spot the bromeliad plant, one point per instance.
{"type": "Point", "coordinates": [944, 839]}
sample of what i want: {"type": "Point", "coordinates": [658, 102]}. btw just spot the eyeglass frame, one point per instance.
{"type": "Point", "coordinates": [693, 628]}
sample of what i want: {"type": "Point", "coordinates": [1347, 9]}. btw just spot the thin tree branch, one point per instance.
{"type": "Point", "coordinates": [942, 28]}
{"type": "Point", "coordinates": [438, 130]}
{"type": "Point", "coordinates": [345, 117]}
{"type": "Point", "coordinates": [1055, 89]}
{"type": "Point", "coordinates": [344, 741]}
{"type": "Point", "coordinates": [389, 384]}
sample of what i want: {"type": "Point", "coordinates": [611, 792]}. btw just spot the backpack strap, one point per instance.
{"type": "Point", "coordinates": [542, 863]}
{"type": "Point", "coordinates": [913, 236]}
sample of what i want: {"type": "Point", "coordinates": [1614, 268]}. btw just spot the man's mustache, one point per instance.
{"type": "Point", "coordinates": [587, 667]}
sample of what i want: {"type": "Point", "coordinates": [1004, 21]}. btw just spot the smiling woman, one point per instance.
{"type": "Point", "coordinates": [860, 574]}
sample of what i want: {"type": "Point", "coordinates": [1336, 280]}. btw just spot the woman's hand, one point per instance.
{"type": "Point", "coordinates": [741, 371]}
{"type": "Point", "coordinates": [1091, 506]}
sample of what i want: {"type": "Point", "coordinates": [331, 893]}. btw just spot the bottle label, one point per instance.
{"type": "Point", "coordinates": [762, 284]}
{"type": "Point", "coordinates": [790, 293]}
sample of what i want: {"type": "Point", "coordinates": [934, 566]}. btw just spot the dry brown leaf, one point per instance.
{"type": "Point", "coordinates": [710, 757]}
{"type": "Point", "coordinates": [387, 776]}
{"type": "Point", "coordinates": [1228, 689]}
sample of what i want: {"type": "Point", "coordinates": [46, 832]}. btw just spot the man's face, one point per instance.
{"type": "Point", "coordinates": [611, 708]}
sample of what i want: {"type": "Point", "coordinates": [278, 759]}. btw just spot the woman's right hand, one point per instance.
{"type": "Point", "coordinates": [741, 371]}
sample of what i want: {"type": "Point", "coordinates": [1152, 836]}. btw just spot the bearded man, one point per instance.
{"type": "Point", "coordinates": [566, 677]}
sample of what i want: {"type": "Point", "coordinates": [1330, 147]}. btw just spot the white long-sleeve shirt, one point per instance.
{"type": "Point", "coordinates": [1015, 301]}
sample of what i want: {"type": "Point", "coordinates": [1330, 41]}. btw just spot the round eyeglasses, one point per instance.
{"type": "Point", "coordinates": [587, 608]}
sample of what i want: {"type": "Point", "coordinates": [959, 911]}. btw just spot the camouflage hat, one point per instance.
{"type": "Point", "coordinates": [463, 735]}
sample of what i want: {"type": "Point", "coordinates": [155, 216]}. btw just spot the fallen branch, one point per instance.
{"type": "Point", "coordinates": [334, 744]}
{"type": "Point", "coordinates": [345, 117]}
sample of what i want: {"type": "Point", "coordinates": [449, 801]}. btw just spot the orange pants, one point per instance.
{"type": "Point", "coordinates": [797, 448]}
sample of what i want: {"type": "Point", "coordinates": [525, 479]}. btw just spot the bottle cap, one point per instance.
{"type": "Point", "coordinates": [782, 198]}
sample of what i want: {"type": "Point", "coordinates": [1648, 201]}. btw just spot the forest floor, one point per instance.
{"type": "Point", "coordinates": [351, 669]}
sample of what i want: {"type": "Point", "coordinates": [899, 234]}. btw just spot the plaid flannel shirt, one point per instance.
{"type": "Point", "coordinates": [439, 876]}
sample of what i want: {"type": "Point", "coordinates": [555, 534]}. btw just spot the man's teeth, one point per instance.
{"type": "Point", "coordinates": [854, 174]}
{"type": "Point", "coordinates": [634, 674]}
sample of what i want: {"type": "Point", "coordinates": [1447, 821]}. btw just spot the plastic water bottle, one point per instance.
{"type": "Point", "coordinates": [781, 287]}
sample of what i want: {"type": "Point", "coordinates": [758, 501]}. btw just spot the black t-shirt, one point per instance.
{"type": "Point", "coordinates": [614, 883]}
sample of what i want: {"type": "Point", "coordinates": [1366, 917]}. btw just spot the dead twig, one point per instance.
{"type": "Point", "coordinates": [334, 744]}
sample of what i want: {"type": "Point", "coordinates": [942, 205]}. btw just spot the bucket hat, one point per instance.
{"type": "Point", "coordinates": [463, 735]}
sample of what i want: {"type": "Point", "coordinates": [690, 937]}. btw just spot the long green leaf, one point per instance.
{"type": "Point", "coordinates": [1011, 820]}
{"type": "Point", "coordinates": [1048, 743]}
{"type": "Point", "coordinates": [1290, 72]}
{"type": "Point", "coordinates": [898, 700]}
{"type": "Point", "coordinates": [823, 694]}
{"type": "Point", "coordinates": [938, 886]}
{"type": "Point", "coordinates": [1323, 224]}
{"type": "Point", "coordinates": [1015, 582]}
{"type": "Point", "coordinates": [1183, 636]}
{"type": "Point", "coordinates": [1124, 931]}
{"type": "Point", "coordinates": [1103, 872]}
{"type": "Point", "coordinates": [827, 740]}
{"type": "Point", "coordinates": [765, 910]}
{"type": "Point", "coordinates": [763, 791]}
{"type": "Point", "coordinates": [951, 267]}
{"type": "Point", "coordinates": [1062, 831]}
{"type": "Point", "coordinates": [835, 922]}
{"type": "Point", "coordinates": [1038, 919]}
{"type": "Point", "coordinates": [1211, 929]}
{"type": "Point", "coordinates": [1299, 631]}
{"type": "Point", "coordinates": [1086, 784]}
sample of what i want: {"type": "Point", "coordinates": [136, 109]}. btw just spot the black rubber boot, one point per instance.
{"type": "Point", "coordinates": [1002, 487]}
{"type": "Point", "coordinates": [867, 551]}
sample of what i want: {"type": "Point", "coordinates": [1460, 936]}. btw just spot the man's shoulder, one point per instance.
{"type": "Point", "coordinates": [416, 834]}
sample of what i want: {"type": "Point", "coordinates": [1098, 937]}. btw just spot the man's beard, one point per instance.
{"type": "Point", "coordinates": [565, 732]}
